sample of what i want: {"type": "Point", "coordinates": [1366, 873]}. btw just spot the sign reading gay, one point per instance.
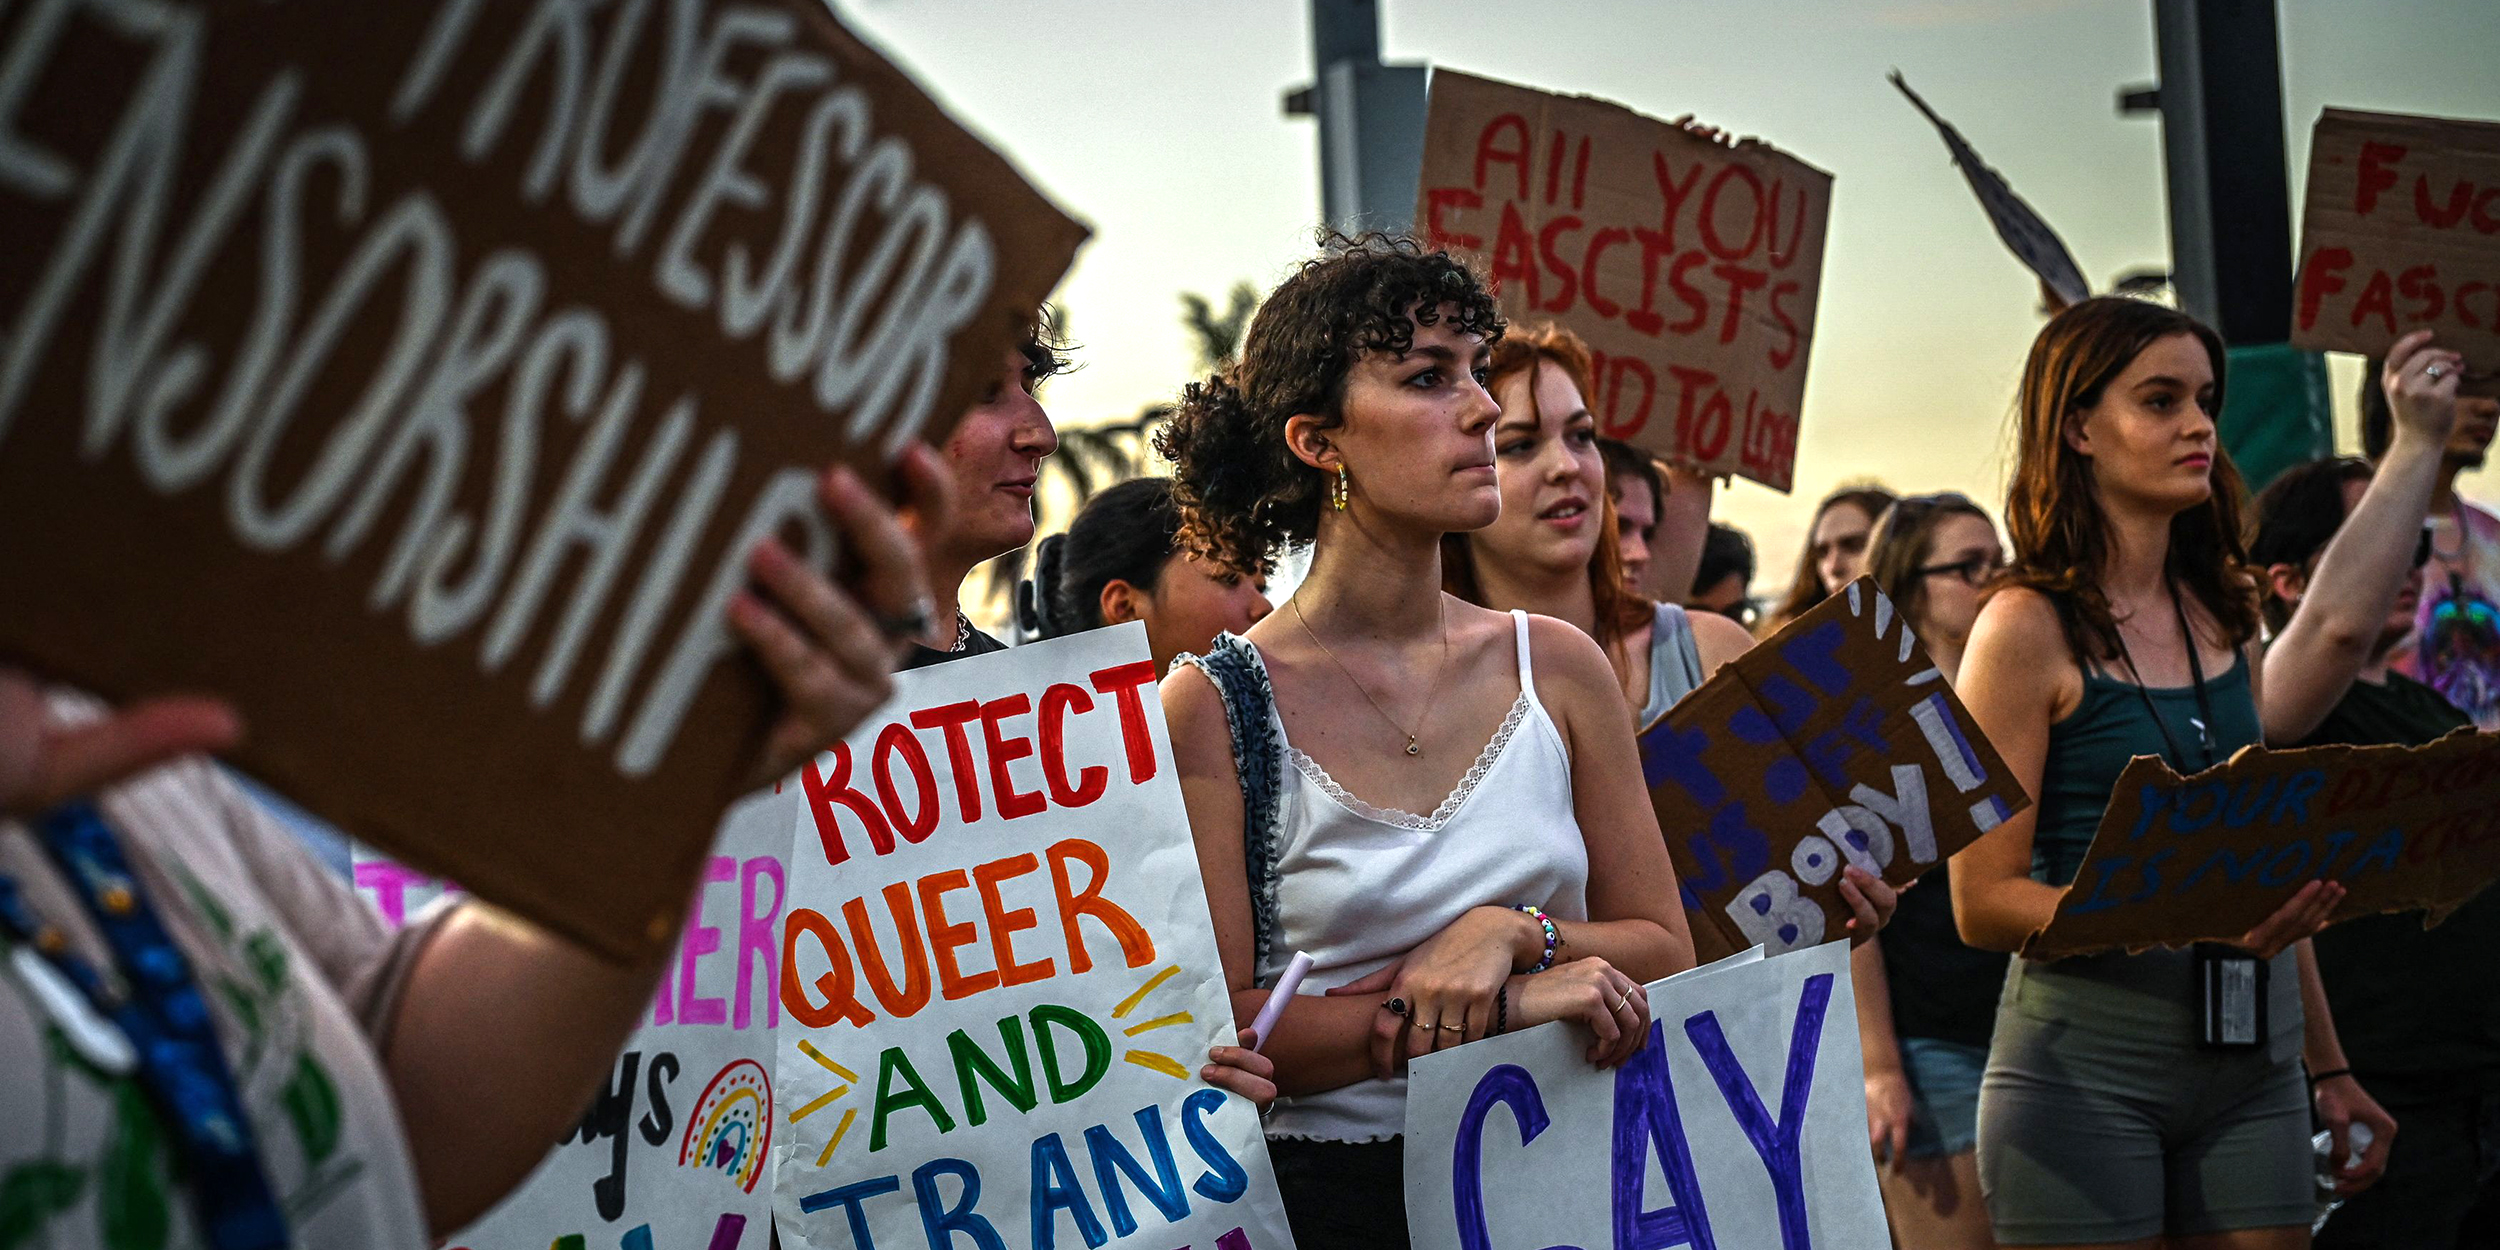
{"type": "Point", "coordinates": [1833, 742]}
{"type": "Point", "coordinates": [1740, 1125]}
{"type": "Point", "coordinates": [2400, 231]}
{"type": "Point", "coordinates": [1691, 268]}
{"type": "Point", "coordinates": [675, 1150]}
{"type": "Point", "coordinates": [420, 374]}
{"type": "Point", "coordinates": [2188, 859]}
{"type": "Point", "coordinates": [999, 978]}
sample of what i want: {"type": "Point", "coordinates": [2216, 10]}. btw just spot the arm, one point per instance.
{"type": "Point", "coordinates": [1887, 1086]}
{"type": "Point", "coordinates": [1683, 527]}
{"type": "Point", "coordinates": [2017, 680]}
{"type": "Point", "coordinates": [2341, 1102]}
{"type": "Point", "coordinates": [1636, 916]}
{"type": "Point", "coordinates": [2346, 602]}
{"type": "Point", "coordinates": [1719, 640]}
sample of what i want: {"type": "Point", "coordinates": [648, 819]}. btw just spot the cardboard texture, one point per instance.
{"type": "Point", "coordinates": [999, 979]}
{"type": "Point", "coordinates": [1833, 741]}
{"type": "Point", "coordinates": [1692, 269]}
{"type": "Point", "coordinates": [1742, 1124]}
{"type": "Point", "coordinates": [2018, 225]}
{"type": "Point", "coordinates": [416, 374]}
{"type": "Point", "coordinates": [2400, 231]}
{"type": "Point", "coordinates": [2205, 858]}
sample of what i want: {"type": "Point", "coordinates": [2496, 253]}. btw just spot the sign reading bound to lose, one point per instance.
{"type": "Point", "coordinates": [675, 1149]}
{"type": "Point", "coordinates": [1691, 268]}
{"type": "Point", "coordinates": [2400, 231]}
{"type": "Point", "coordinates": [1833, 742]}
{"type": "Point", "coordinates": [418, 375]}
{"type": "Point", "coordinates": [2188, 859]}
{"type": "Point", "coordinates": [1741, 1124]}
{"type": "Point", "coordinates": [999, 979]}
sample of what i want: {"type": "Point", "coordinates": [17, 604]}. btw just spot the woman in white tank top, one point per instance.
{"type": "Point", "coordinates": [1430, 783]}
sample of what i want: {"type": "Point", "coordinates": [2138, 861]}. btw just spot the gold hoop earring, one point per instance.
{"type": "Point", "coordinates": [1337, 492]}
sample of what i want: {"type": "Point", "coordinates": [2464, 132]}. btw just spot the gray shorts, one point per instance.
{"type": "Point", "coordinates": [2088, 1135]}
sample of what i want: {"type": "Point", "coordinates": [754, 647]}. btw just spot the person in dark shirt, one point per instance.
{"type": "Point", "coordinates": [2419, 1009]}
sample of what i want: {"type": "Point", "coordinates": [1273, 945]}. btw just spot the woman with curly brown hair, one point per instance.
{"type": "Point", "coordinates": [1439, 803]}
{"type": "Point", "coordinates": [2117, 1107]}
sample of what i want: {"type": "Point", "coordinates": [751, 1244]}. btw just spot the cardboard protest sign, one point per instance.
{"type": "Point", "coordinates": [1741, 1124]}
{"type": "Point", "coordinates": [675, 1151]}
{"type": "Point", "coordinates": [1692, 269]}
{"type": "Point", "coordinates": [2018, 225]}
{"type": "Point", "coordinates": [419, 374]}
{"type": "Point", "coordinates": [2179, 860]}
{"type": "Point", "coordinates": [999, 979]}
{"type": "Point", "coordinates": [1833, 742]}
{"type": "Point", "coordinates": [2400, 231]}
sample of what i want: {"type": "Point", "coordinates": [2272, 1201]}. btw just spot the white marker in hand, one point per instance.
{"type": "Point", "coordinates": [1286, 985]}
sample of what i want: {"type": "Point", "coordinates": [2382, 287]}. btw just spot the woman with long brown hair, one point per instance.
{"type": "Point", "coordinates": [1555, 549]}
{"type": "Point", "coordinates": [1834, 552]}
{"type": "Point", "coordinates": [2116, 1109]}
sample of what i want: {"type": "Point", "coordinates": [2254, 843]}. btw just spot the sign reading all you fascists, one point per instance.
{"type": "Point", "coordinates": [1691, 268]}
{"type": "Point", "coordinates": [2187, 859]}
{"type": "Point", "coordinates": [999, 978]}
{"type": "Point", "coordinates": [2401, 232]}
{"type": "Point", "coordinates": [1834, 742]}
{"type": "Point", "coordinates": [418, 374]}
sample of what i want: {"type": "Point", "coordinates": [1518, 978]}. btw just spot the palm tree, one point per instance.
{"type": "Point", "coordinates": [1103, 454]}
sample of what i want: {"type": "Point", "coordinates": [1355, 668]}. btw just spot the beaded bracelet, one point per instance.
{"type": "Point", "coordinates": [1553, 936]}
{"type": "Point", "coordinates": [1501, 1012]}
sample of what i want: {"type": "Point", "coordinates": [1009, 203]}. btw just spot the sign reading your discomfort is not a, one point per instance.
{"type": "Point", "coordinates": [417, 374]}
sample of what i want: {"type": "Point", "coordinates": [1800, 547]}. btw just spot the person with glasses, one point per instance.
{"type": "Point", "coordinates": [2343, 550]}
{"type": "Point", "coordinates": [2115, 1108]}
{"type": "Point", "coordinates": [1927, 1000]}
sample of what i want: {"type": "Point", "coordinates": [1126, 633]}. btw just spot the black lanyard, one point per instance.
{"type": "Point", "coordinates": [2196, 673]}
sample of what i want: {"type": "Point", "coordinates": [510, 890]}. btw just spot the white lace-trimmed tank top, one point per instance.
{"type": "Point", "coordinates": [1359, 886]}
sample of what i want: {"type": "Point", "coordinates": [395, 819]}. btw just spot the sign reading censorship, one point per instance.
{"type": "Point", "coordinates": [2188, 859]}
{"type": "Point", "coordinates": [1834, 742]}
{"type": "Point", "coordinates": [2401, 232]}
{"type": "Point", "coordinates": [418, 374]}
{"type": "Point", "coordinates": [1740, 1124]}
{"type": "Point", "coordinates": [999, 979]}
{"type": "Point", "coordinates": [1690, 267]}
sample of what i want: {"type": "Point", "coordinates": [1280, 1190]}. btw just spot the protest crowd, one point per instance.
{"type": "Point", "coordinates": [1520, 767]}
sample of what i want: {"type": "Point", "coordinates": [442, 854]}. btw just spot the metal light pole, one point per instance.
{"type": "Point", "coordinates": [1371, 120]}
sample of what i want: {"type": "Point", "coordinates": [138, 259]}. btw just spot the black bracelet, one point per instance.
{"type": "Point", "coordinates": [2330, 1074]}
{"type": "Point", "coordinates": [1501, 1011]}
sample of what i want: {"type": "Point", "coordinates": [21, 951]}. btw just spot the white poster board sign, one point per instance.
{"type": "Point", "coordinates": [1741, 1125]}
{"type": "Point", "coordinates": [675, 1150]}
{"type": "Point", "coordinates": [1000, 979]}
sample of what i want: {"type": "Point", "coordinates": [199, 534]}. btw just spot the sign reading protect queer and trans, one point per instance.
{"type": "Point", "coordinates": [999, 979]}
{"type": "Point", "coordinates": [674, 1153]}
{"type": "Point", "coordinates": [419, 374]}
{"type": "Point", "coordinates": [1691, 268]}
{"type": "Point", "coordinates": [1741, 1125]}
{"type": "Point", "coordinates": [2187, 859]}
{"type": "Point", "coordinates": [1833, 742]}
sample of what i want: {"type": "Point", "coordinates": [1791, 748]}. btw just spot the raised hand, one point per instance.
{"type": "Point", "coordinates": [2421, 384]}
{"type": "Point", "coordinates": [1871, 901]}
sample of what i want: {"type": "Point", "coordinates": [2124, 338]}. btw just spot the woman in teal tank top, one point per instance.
{"type": "Point", "coordinates": [2125, 627]}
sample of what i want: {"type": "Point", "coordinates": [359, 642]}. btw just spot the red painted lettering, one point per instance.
{"type": "Point", "coordinates": [1598, 243]}
{"type": "Point", "coordinates": [1561, 272]}
{"type": "Point", "coordinates": [1005, 924]}
{"type": "Point", "coordinates": [2436, 216]}
{"type": "Point", "coordinates": [1135, 946]}
{"type": "Point", "coordinates": [824, 795]}
{"type": "Point", "coordinates": [1123, 683]}
{"type": "Point", "coordinates": [2378, 297]}
{"type": "Point", "coordinates": [1739, 279]}
{"type": "Point", "coordinates": [1709, 217]}
{"type": "Point", "coordinates": [952, 718]}
{"type": "Point", "coordinates": [1516, 127]}
{"type": "Point", "coordinates": [2321, 277]}
{"type": "Point", "coordinates": [897, 739]}
{"type": "Point", "coordinates": [1092, 780]}
{"type": "Point", "coordinates": [913, 994]}
{"type": "Point", "coordinates": [1012, 803]}
{"type": "Point", "coordinates": [1514, 255]}
{"type": "Point", "coordinates": [2420, 284]}
{"type": "Point", "coordinates": [945, 939]}
{"type": "Point", "coordinates": [840, 993]}
{"type": "Point", "coordinates": [1447, 236]}
{"type": "Point", "coordinates": [2374, 173]}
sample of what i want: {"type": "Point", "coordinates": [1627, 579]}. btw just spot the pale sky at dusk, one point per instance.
{"type": "Point", "coordinates": [1158, 121]}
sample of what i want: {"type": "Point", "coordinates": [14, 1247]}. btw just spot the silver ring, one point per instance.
{"type": "Point", "coordinates": [2435, 372]}
{"type": "Point", "coordinates": [912, 623]}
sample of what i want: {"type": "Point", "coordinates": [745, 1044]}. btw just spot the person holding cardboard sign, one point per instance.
{"type": "Point", "coordinates": [1452, 899]}
{"type": "Point", "coordinates": [2131, 1098]}
{"type": "Point", "coordinates": [212, 1042]}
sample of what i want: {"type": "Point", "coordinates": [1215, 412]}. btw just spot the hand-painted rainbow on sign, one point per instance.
{"type": "Point", "coordinates": [731, 1128]}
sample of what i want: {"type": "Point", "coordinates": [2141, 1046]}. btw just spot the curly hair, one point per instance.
{"type": "Point", "coordinates": [1240, 490]}
{"type": "Point", "coordinates": [2060, 534]}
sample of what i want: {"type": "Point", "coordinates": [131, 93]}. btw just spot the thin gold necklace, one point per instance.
{"type": "Point", "coordinates": [1412, 747]}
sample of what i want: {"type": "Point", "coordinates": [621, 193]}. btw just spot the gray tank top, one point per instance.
{"type": "Point", "coordinates": [1674, 663]}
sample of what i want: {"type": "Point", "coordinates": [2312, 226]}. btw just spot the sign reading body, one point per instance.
{"type": "Point", "coordinates": [418, 374]}
{"type": "Point", "coordinates": [1690, 268]}
{"type": "Point", "coordinates": [1834, 742]}
{"type": "Point", "coordinates": [2400, 231]}
{"type": "Point", "coordinates": [1740, 1124]}
{"type": "Point", "coordinates": [2179, 860]}
{"type": "Point", "coordinates": [675, 1151]}
{"type": "Point", "coordinates": [1000, 979]}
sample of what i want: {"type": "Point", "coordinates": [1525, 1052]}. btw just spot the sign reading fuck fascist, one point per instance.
{"type": "Point", "coordinates": [2400, 231]}
{"type": "Point", "coordinates": [419, 374]}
